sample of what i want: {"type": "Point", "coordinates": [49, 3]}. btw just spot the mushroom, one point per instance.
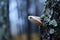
{"type": "Point", "coordinates": [35, 19]}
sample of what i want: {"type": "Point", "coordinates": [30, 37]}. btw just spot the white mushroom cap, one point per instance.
{"type": "Point", "coordinates": [34, 19]}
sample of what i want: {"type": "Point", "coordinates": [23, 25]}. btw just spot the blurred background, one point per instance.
{"type": "Point", "coordinates": [14, 23]}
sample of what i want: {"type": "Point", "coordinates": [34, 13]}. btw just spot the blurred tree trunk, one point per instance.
{"type": "Point", "coordinates": [4, 20]}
